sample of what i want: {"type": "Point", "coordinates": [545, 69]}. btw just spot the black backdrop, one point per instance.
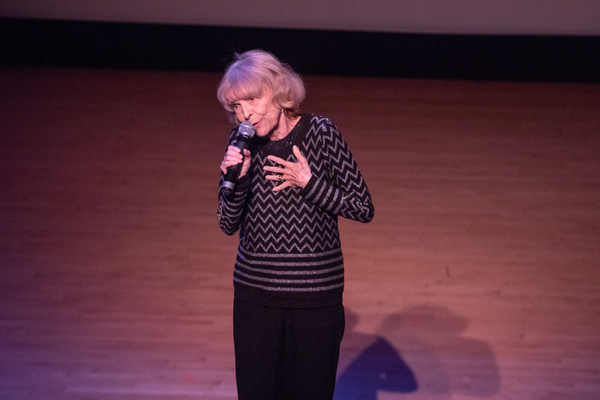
{"type": "Point", "coordinates": [311, 52]}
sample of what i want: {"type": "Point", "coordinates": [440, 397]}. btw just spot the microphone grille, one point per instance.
{"type": "Point", "coordinates": [246, 129]}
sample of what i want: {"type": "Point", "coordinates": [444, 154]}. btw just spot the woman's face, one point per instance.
{"type": "Point", "coordinates": [260, 111]}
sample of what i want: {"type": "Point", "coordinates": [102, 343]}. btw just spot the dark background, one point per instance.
{"type": "Point", "coordinates": [311, 52]}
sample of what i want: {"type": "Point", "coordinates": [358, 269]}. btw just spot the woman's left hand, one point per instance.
{"type": "Point", "coordinates": [291, 174]}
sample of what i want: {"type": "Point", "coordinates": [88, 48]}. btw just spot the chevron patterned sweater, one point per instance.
{"type": "Point", "coordinates": [290, 253]}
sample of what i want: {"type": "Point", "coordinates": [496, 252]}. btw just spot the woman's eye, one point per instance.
{"type": "Point", "coordinates": [251, 98]}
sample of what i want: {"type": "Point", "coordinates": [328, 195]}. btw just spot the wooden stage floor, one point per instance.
{"type": "Point", "coordinates": [479, 277]}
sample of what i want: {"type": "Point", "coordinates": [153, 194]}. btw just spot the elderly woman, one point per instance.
{"type": "Point", "coordinates": [295, 178]}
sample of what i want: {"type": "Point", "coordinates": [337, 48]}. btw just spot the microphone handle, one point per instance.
{"type": "Point", "coordinates": [233, 171]}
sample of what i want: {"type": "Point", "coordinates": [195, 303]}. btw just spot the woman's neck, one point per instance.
{"type": "Point", "coordinates": [285, 127]}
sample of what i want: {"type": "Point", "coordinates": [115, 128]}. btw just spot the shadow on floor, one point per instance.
{"type": "Point", "coordinates": [418, 351]}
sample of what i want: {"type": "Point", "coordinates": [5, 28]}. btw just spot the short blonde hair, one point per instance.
{"type": "Point", "coordinates": [248, 75]}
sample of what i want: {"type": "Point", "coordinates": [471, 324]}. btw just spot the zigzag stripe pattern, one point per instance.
{"type": "Point", "coordinates": [289, 240]}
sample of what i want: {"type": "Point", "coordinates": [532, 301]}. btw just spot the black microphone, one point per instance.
{"type": "Point", "coordinates": [245, 132]}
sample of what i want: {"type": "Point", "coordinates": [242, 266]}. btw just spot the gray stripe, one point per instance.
{"type": "Point", "coordinates": [290, 289]}
{"type": "Point", "coordinates": [276, 272]}
{"type": "Point", "coordinates": [290, 281]}
{"type": "Point", "coordinates": [290, 255]}
{"type": "Point", "coordinates": [339, 260]}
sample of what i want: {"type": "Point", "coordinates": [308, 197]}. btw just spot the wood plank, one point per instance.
{"type": "Point", "coordinates": [478, 278]}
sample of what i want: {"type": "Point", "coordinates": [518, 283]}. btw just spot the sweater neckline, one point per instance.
{"type": "Point", "coordinates": [286, 142]}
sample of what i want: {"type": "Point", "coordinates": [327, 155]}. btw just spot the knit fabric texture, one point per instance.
{"type": "Point", "coordinates": [289, 252]}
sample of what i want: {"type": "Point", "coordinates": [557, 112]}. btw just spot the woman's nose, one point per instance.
{"type": "Point", "coordinates": [246, 111]}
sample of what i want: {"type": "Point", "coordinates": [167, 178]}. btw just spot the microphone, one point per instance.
{"type": "Point", "coordinates": [245, 132]}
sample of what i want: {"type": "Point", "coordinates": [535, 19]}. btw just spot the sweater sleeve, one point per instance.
{"type": "Point", "coordinates": [340, 189]}
{"type": "Point", "coordinates": [231, 204]}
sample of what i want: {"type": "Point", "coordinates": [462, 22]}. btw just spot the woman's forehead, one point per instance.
{"type": "Point", "coordinates": [241, 91]}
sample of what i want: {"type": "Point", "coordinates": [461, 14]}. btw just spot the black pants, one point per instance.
{"type": "Point", "coordinates": [286, 354]}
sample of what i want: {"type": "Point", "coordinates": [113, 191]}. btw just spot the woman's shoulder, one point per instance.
{"type": "Point", "coordinates": [319, 123]}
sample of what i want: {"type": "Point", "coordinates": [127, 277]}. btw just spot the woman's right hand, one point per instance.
{"type": "Point", "coordinates": [234, 156]}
